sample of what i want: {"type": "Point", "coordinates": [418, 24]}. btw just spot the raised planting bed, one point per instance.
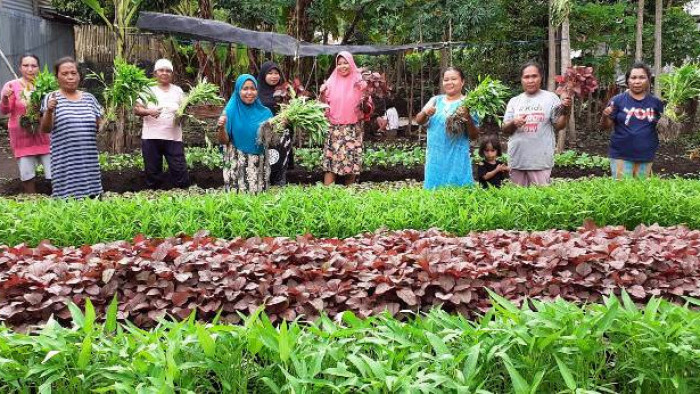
{"type": "Point", "coordinates": [370, 274]}
{"type": "Point", "coordinates": [383, 163]}
{"type": "Point", "coordinates": [346, 212]}
{"type": "Point", "coordinates": [612, 347]}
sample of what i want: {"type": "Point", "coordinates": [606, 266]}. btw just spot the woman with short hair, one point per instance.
{"type": "Point", "coordinates": [448, 161]}
{"type": "Point", "coordinates": [531, 119]}
{"type": "Point", "coordinates": [72, 117]}
{"type": "Point", "coordinates": [634, 116]}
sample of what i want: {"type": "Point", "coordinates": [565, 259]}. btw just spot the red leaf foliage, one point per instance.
{"type": "Point", "coordinates": [578, 80]}
{"type": "Point", "coordinates": [385, 271]}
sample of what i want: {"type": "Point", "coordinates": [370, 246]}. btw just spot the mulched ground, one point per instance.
{"type": "Point", "coordinates": [368, 274]}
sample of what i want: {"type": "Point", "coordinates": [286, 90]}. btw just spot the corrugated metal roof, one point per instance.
{"type": "Point", "coordinates": [18, 5]}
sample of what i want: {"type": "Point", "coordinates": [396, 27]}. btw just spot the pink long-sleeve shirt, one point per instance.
{"type": "Point", "coordinates": [22, 141]}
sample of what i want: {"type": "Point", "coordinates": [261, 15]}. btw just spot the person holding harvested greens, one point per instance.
{"type": "Point", "coordinates": [448, 161]}
{"type": "Point", "coordinates": [29, 147]}
{"type": "Point", "coordinates": [161, 136]}
{"type": "Point", "coordinates": [343, 92]}
{"type": "Point", "coordinates": [72, 117]}
{"type": "Point", "coordinates": [270, 79]}
{"type": "Point", "coordinates": [246, 166]}
{"type": "Point", "coordinates": [492, 171]}
{"type": "Point", "coordinates": [531, 119]}
{"type": "Point", "coordinates": [634, 115]}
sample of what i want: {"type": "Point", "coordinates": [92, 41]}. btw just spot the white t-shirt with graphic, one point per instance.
{"type": "Point", "coordinates": [531, 147]}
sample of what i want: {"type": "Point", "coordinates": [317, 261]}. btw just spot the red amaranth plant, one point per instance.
{"type": "Point", "coordinates": [578, 80]}
{"type": "Point", "coordinates": [390, 271]}
{"type": "Point", "coordinates": [374, 85]}
{"type": "Point", "coordinates": [287, 91]}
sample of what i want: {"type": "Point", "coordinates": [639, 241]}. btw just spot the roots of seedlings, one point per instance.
{"type": "Point", "coordinates": [457, 123]}
{"type": "Point", "coordinates": [668, 129]}
{"type": "Point", "coordinates": [267, 136]}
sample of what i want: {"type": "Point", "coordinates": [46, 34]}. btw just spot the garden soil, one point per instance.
{"type": "Point", "coordinates": [671, 160]}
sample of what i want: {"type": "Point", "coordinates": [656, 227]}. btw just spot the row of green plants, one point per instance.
{"type": "Point", "coordinates": [612, 347]}
{"type": "Point", "coordinates": [310, 158]}
{"type": "Point", "coordinates": [346, 212]}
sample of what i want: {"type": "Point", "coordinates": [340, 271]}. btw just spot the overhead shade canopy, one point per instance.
{"type": "Point", "coordinates": [216, 31]}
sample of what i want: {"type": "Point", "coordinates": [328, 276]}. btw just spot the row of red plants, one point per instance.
{"type": "Point", "coordinates": [392, 271]}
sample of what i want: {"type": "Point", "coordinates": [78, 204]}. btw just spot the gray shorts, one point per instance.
{"type": "Point", "coordinates": [27, 166]}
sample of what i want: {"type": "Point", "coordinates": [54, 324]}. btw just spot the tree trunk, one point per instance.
{"type": "Point", "coordinates": [355, 20]}
{"type": "Point", "coordinates": [206, 10]}
{"type": "Point", "coordinates": [640, 23]}
{"type": "Point", "coordinates": [422, 78]}
{"type": "Point", "coordinates": [565, 63]}
{"type": "Point", "coordinates": [410, 104]}
{"type": "Point", "coordinates": [399, 63]}
{"type": "Point", "coordinates": [552, 58]}
{"type": "Point", "coordinates": [301, 28]}
{"type": "Point", "coordinates": [118, 135]}
{"type": "Point", "coordinates": [658, 17]}
{"type": "Point", "coordinates": [444, 60]}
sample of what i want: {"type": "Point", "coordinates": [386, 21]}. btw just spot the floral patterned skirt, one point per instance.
{"type": "Point", "coordinates": [342, 154]}
{"type": "Point", "coordinates": [244, 172]}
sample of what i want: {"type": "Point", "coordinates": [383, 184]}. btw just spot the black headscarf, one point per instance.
{"type": "Point", "coordinates": [266, 91]}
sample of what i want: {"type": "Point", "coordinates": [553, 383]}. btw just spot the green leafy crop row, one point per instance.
{"type": "Point", "coordinates": [310, 158]}
{"type": "Point", "coordinates": [555, 347]}
{"type": "Point", "coordinates": [345, 212]}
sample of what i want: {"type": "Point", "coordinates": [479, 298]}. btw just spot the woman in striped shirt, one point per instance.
{"type": "Point", "coordinates": [72, 117]}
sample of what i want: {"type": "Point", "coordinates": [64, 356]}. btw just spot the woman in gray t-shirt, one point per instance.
{"type": "Point", "coordinates": [531, 119]}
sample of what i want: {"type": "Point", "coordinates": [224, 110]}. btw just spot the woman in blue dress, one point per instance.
{"type": "Point", "coordinates": [448, 160]}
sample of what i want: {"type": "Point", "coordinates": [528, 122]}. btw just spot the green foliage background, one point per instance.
{"type": "Point", "coordinates": [501, 34]}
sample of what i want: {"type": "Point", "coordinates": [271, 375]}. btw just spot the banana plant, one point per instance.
{"type": "Point", "coordinates": [124, 13]}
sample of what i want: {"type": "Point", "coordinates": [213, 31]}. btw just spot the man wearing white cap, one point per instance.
{"type": "Point", "coordinates": [162, 133]}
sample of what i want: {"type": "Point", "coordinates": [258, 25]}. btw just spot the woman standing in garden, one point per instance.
{"type": "Point", "coordinates": [447, 161]}
{"type": "Point", "coordinates": [270, 79]}
{"type": "Point", "coordinates": [162, 133]}
{"type": "Point", "coordinates": [531, 120]}
{"type": "Point", "coordinates": [246, 166]}
{"type": "Point", "coordinates": [29, 147]}
{"type": "Point", "coordinates": [343, 92]}
{"type": "Point", "coordinates": [72, 117]}
{"type": "Point", "coordinates": [634, 115]}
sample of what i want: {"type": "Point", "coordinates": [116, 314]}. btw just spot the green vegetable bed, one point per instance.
{"type": "Point", "coordinates": [342, 212]}
{"type": "Point", "coordinates": [554, 347]}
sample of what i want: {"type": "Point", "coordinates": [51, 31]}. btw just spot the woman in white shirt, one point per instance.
{"type": "Point", "coordinates": [162, 133]}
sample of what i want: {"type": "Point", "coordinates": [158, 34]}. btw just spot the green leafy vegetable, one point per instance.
{"type": "Point", "coordinates": [129, 85]}
{"type": "Point", "coordinates": [202, 93]}
{"type": "Point", "coordinates": [487, 99]}
{"type": "Point", "coordinates": [306, 116]}
{"type": "Point", "coordinates": [678, 87]}
{"type": "Point", "coordinates": [44, 83]}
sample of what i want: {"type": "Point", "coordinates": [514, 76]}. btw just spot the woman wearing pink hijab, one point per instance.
{"type": "Point", "coordinates": [342, 92]}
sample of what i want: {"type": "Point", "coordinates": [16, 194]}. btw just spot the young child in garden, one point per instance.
{"type": "Point", "coordinates": [492, 171]}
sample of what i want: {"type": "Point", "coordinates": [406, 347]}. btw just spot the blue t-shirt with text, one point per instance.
{"type": "Point", "coordinates": [635, 137]}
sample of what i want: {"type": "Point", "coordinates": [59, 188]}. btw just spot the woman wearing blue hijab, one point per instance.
{"type": "Point", "coordinates": [246, 167]}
